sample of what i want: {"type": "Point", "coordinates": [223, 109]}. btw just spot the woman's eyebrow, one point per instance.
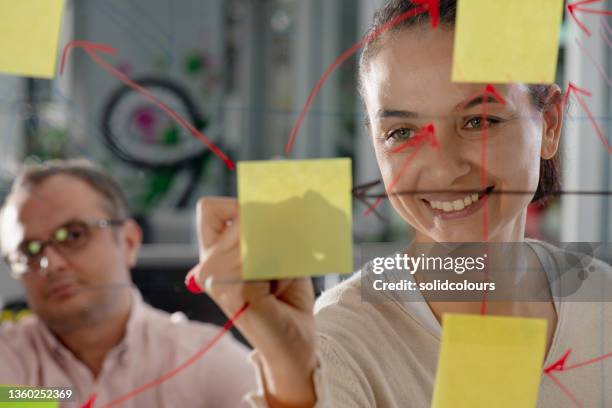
{"type": "Point", "coordinates": [392, 113]}
{"type": "Point", "coordinates": [479, 100]}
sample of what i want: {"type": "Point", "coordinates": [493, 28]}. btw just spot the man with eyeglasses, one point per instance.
{"type": "Point", "coordinates": [67, 236]}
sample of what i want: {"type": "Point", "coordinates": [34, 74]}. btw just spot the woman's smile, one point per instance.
{"type": "Point", "coordinates": [451, 206]}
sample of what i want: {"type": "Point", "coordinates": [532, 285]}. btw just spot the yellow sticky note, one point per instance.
{"type": "Point", "coordinates": [489, 361]}
{"type": "Point", "coordinates": [507, 41]}
{"type": "Point", "coordinates": [295, 218]}
{"type": "Point", "coordinates": [30, 36]}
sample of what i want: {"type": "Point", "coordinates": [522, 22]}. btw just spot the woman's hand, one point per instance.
{"type": "Point", "coordinates": [279, 321]}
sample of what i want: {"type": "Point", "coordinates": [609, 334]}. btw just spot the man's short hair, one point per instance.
{"type": "Point", "coordinates": [32, 175]}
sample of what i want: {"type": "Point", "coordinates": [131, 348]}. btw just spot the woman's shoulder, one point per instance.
{"type": "Point", "coordinates": [346, 294]}
{"type": "Point", "coordinates": [575, 254]}
{"type": "Point", "coordinates": [576, 271]}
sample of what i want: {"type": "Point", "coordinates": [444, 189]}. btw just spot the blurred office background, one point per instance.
{"type": "Point", "coordinates": [240, 71]}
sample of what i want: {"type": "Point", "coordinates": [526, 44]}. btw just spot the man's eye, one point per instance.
{"type": "Point", "coordinates": [401, 134]}
{"type": "Point", "coordinates": [477, 123]}
{"type": "Point", "coordinates": [61, 234]}
{"type": "Point", "coordinates": [68, 234]}
{"type": "Point", "coordinates": [34, 247]}
{"type": "Point", "coordinates": [74, 235]}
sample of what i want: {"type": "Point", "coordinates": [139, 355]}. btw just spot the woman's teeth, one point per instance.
{"type": "Point", "coordinates": [456, 205]}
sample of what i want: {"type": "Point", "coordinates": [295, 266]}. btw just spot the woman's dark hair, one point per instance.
{"type": "Point", "coordinates": [549, 181]}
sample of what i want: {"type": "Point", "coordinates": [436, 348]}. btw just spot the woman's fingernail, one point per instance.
{"type": "Point", "coordinates": [192, 284]}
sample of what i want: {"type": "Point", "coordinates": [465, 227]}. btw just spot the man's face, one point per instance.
{"type": "Point", "coordinates": [77, 286]}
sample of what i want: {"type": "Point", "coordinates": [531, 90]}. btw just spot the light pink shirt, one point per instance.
{"type": "Point", "coordinates": [153, 345]}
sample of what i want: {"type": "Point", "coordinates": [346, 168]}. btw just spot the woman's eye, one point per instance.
{"type": "Point", "coordinates": [401, 134]}
{"type": "Point", "coordinates": [476, 123]}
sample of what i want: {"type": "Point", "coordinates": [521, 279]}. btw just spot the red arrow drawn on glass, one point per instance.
{"type": "Point", "coordinates": [424, 135]}
{"type": "Point", "coordinates": [90, 402]}
{"type": "Point", "coordinates": [425, 6]}
{"type": "Point", "coordinates": [92, 49]}
{"type": "Point", "coordinates": [578, 92]}
{"type": "Point", "coordinates": [605, 31]}
{"type": "Point", "coordinates": [558, 365]}
{"type": "Point", "coordinates": [572, 8]}
{"type": "Point", "coordinates": [561, 365]}
{"type": "Point", "coordinates": [565, 390]}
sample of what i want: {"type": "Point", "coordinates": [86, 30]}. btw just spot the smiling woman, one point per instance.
{"type": "Point", "coordinates": [487, 140]}
{"type": "Point", "coordinates": [403, 75]}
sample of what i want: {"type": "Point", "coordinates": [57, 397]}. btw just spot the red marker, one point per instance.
{"type": "Point", "coordinates": [572, 8]}
{"type": "Point", "coordinates": [191, 283]}
{"type": "Point", "coordinates": [92, 50]}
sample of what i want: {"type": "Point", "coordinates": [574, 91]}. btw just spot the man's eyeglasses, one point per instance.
{"type": "Point", "coordinates": [67, 239]}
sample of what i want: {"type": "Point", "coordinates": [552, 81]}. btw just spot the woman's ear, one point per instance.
{"type": "Point", "coordinates": [132, 239]}
{"type": "Point", "coordinates": [553, 123]}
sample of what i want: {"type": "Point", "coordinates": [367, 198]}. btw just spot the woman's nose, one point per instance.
{"type": "Point", "coordinates": [446, 162]}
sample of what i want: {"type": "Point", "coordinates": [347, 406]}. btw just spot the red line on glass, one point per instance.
{"type": "Point", "coordinates": [227, 327]}
{"type": "Point", "coordinates": [577, 93]}
{"type": "Point", "coordinates": [572, 8]}
{"type": "Point", "coordinates": [560, 365]}
{"type": "Point", "coordinates": [604, 36]}
{"type": "Point", "coordinates": [595, 64]}
{"type": "Point", "coordinates": [489, 89]}
{"type": "Point", "coordinates": [92, 50]}
{"type": "Point", "coordinates": [426, 6]}
{"type": "Point", "coordinates": [565, 390]}
{"type": "Point", "coordinates": [606, 27]}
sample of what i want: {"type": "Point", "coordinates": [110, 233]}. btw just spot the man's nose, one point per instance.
{"type": "Point", "coordinates": [51, 260]}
